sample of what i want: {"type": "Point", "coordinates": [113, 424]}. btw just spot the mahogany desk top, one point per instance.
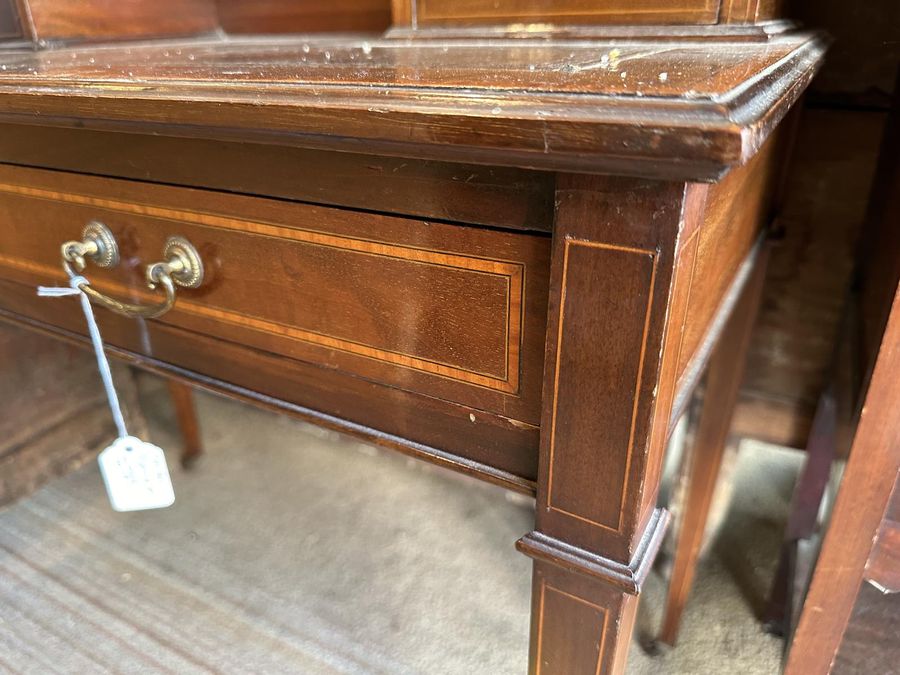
{"type": "Point", "coordinates": [663, 108]}
{"type": "Point", "coordinates": [510, 257]}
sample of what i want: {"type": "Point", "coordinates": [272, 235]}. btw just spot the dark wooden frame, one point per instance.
{"type": "Point", "coordinates": [865, 491]}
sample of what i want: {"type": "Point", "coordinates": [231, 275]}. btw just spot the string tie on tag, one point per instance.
{"type": "Point", "coordinates": [74, 288]}
{"type": "Point", "coordinates": [75, 283]}
{"type": "Point", "coordinates": [134, 471]}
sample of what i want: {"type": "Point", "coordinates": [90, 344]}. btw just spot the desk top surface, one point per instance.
{"type": "Point", "coordinates": [650, 107]}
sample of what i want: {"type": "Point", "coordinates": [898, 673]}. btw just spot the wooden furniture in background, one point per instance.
{"type": "Point", "coordinates": [860, 541]}
{"type": "Point", "coordinates": [819, 216]}
{"type": "Point", "coordinates": [869, 642]}
{"type": "Point", "coordinates": [704, 457]}
{"type": "Point", "coordinates": [303, 16]}
{"type": "Point", "coordinates": [48, 21]}
{"type": "Point", "coordinates": [55, 414]}
{"type": "Point", "coordinates": [820, 220]}
{"type": "Point", "coordinates": [861, 529]}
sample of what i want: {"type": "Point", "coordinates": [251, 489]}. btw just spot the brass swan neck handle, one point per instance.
{"type": "Point", "coordinates": [181, 266]}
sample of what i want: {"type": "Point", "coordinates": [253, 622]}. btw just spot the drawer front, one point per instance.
{"type": "Point", "coordinates": [447, 311]}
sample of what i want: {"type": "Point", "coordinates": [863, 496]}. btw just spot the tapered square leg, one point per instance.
{"type": "Point", "coordinates": [580, 625]}
{"type": "Point", "coordinates": [607, 396]}
{"type": "Point", "coordinates": [584, 605]}
{"type": "Point", "coordinates": [186, 414]}
{"type": "Point", "coordinates": [643, 277]}
{"type": "Point", "coordinates": [725, 372]}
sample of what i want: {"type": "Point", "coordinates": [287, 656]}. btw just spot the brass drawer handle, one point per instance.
{"type": "Point", "coordinates": [181, 266]}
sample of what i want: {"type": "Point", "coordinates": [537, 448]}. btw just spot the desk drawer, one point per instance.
{"type": "Point", "coordinates": [437, 310]}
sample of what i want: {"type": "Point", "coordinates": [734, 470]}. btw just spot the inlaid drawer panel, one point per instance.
{"type": "Point", "coordinates": [442, 310]}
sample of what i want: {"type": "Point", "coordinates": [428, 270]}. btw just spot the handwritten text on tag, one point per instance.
{"type": "Point", "coordinates": [136, 475]}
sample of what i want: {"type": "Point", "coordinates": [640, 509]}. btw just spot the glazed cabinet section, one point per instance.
{"type": "Point", "coordinates": [467, 13]}
{"type": "Point", "coordinates": [316, 306]}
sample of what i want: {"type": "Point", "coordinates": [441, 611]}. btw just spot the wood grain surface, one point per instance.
{"type": "Point", "coordinates": [862, 500]}
{"type": "Point", "coordinates": [753, 32]}
{"type": "Point", "coordinates": [735, 211]}
{"type": "Point", "coordinates": [682, 110]}
{"type": "Point", "coordinates": [489, 446]}
{"type": "Point", "coordinates": [426, 13]}
{"type": "Point", "coordinates": [468, 193]}
{"type": "Point", "coordinates": [530, 15]}
{"type": "Point", "coordinates": [96, 20]}
{"type": "Point", "coordinates": [883, 566]}
{"type": "Point", "coordinates": [811, 265]}
{"type": "Point", "coordinates": [303, 16]}
{"type": "Point", "coordinates": [400, 301]}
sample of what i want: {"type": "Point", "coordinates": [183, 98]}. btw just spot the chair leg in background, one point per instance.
{"type": "Point", "coordinates": [724, 376]}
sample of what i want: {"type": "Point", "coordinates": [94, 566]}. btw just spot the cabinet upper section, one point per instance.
{"type": "Point", "coordinates": [423, 14]}
{"type": "Point", "coordinates": [42, 22]}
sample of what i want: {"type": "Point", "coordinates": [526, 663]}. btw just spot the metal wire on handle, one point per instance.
{"type": "Point", "coordinates": [182, 266]}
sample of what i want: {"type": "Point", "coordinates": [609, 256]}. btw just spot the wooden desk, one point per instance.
{"type": "Point", "coordinates": [508, 257]}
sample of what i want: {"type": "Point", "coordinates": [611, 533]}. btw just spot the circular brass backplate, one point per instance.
{"type": "Point", "coordinates": [192, 274]}
{"type": "Point", "coordinates": [107, 254]}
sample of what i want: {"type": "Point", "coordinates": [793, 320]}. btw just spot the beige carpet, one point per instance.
{"type": "Point", "coordinates": [293, 550]}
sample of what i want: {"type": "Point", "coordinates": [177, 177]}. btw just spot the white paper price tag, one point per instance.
{"type": "Point", "coordinates": [136, 475]}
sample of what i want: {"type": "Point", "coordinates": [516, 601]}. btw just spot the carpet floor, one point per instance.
{"type": "Point", "coordinates": [290, 549]}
